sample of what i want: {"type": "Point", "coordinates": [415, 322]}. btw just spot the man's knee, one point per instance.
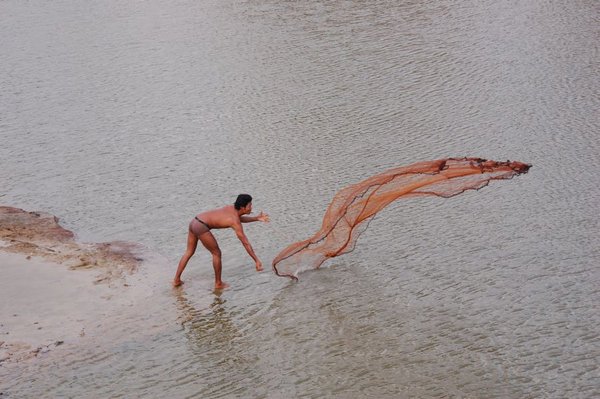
{"type": "Point", "coordinates": [216, 252]}
{"type": "Point", "coordinates": [189, 253]}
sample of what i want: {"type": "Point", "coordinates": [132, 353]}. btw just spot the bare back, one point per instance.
{"type": "Point", "coordinates": [221, 218]}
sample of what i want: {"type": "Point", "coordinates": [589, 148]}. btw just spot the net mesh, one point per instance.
{"type": "Point", "coordinates": [352, 208]}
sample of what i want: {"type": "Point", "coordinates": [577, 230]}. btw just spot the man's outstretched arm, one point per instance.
{"type": "Point", "coordinates": [239, 231]}
{"type": "Point", "coordinates": [262, 217]}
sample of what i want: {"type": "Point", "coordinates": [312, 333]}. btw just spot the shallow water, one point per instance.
{"type": "Point", "coordinates": [127, 118]}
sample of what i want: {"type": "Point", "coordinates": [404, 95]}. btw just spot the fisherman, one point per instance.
{"type": "Point", "coordinates": [228, 216]}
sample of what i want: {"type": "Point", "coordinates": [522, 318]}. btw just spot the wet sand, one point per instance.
{"type": "Point", "coordinates": [40, 234]}
{"type": "Point", "coordinates": [42, 305]}
{"type": "Point", "coordinates": [54, 290]}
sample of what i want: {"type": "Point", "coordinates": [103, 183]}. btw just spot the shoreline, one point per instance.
{"type": "Point", "coordinates": [56, 291]}
{"type": "Point", "coordinates": [40, 234]}
{"type": "Point", "coordinates": [42, 306]}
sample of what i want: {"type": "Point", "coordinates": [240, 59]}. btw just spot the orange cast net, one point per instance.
{"type": "Point", "coordinates": [353, 207]}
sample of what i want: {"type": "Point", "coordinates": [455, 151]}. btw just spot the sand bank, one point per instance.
{"type": "Point", "coordinates": [39, 234]}
{"type": "Point", "coordinates": [55, 291]}
{"type": "Point", "coordinates": [44, 304]}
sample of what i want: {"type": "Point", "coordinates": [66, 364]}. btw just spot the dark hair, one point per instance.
{"type": "Point", "coordinates": [242, 200]}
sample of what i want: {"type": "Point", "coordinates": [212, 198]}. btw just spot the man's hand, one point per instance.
{"type": "Point", "coordinates": [263, 217]}
{"type": "Point", "coordinates": [259, 266]}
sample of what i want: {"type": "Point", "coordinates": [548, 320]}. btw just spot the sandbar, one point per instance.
{"type": "Point", "coordinates": [55, 290]}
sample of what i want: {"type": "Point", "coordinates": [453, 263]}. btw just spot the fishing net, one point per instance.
{"type": "Point", "coordinates": [353, 207]}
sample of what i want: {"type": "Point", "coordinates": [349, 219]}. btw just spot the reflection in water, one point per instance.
{"type": "Point", "coordinates": [206, 326]}
{"type": "Point", "coordinates": [221, 360]}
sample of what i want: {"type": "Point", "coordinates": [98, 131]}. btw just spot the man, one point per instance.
{"type": "Point", "coordinates": [228, 216]}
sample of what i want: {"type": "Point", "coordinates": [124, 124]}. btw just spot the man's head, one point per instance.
{"type": "Point", "coordinates": [243, 200]}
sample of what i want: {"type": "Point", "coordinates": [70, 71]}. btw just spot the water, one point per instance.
{"type": "Point", "coordinates": [127, 118]}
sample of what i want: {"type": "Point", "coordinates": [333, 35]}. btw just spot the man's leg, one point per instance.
{"type": "Point", "coordinates": [210, 243]}
{"type": "Point", "coordinates": [192, 242]}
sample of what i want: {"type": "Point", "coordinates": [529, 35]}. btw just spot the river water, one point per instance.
{"type": "Point", "coordinates": [126, 118]}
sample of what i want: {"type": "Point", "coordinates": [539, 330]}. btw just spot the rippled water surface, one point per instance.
{"type": "Point", "coordinates": [125, 118]}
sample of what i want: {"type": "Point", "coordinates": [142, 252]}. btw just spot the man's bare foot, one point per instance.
{"type": "Point", "coordinates": [221, 286]}
{"type": "Point", "coordinates": [177, 283]}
